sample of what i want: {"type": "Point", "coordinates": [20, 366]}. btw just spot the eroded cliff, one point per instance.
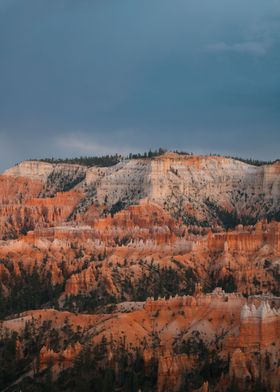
{"type": "Point", "coordinates": [160, 274]}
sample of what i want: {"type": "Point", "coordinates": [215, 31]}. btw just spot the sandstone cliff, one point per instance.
{"type": "Point", "coordinates": [164, 272]}
{"type": "Point", "coordinates": [198, 188]}
{"type": "Point", "coordinates": [219, 323]}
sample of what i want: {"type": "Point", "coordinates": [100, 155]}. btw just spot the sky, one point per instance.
{"type": "Point", "coordinates": [91, 77]}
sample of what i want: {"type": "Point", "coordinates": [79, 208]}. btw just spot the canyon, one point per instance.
{"type": "Point", "coordinates": [153, 274]}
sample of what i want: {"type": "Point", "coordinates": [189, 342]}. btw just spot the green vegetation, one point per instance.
{"type": "Point", "coordinates": [191, 220]}
{"type": "Point", "coordinates": [249, 161]}
{"type": "Point", "coordinates": [90, 302]}
{"type": "Point", "coordinates": [164, 282]}
{"type": "Point", "coordinates": [111, 160]}
{"type": "Point", "coordinates": [118, 206]}
{"type": "Point", "coordinates": [28, 290]}
{"type": "Point", "coordinates": [103, 161]}
{"type": "Point", "coordinates": [149, 154]}
{"type": "Point", "coordinates": [34, 336]}
{"type": "Point", "coordinates": [227, 284]}
{"type": "Point", "coordinates": [273, 216]}
{"type": "Point", "coordinates": [154, 282]}
{"type": "Point", "coordinates": [62, 182]}
{"type": "Point", "coordinates": [209, 366]}
{"type": "Point", "coordinates": [255, 162]}
{"type": "Point", "coordinates": [10, 367]}
{"type": "Point", "coordinates": [229, 219]}
{"type": "Point", "coordinates": [93, 371]}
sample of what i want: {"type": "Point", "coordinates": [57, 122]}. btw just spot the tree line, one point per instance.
{"type": "Point", "coordinates": [113, 159]}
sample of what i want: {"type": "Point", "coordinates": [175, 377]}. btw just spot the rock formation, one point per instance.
{"type": "Point", "coordinates": [163, 268]}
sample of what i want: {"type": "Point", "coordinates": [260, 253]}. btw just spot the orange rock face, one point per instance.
{"type": "Point", "coordinates": [223, 322]}
{"type": "Point", "coordinates": [247, 241]}
{"type": "Point", "coordinates": [134, 259]}
{"type": "Point", "coordinates": [21, 210]}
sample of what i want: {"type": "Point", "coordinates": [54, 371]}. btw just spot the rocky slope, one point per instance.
{"type": "Point", "coordinates": [181, 340]}
{"type": "Point", "coordinates": [195, 187]}
{"type": "Point", "coordinates": [159, 274]}
{"type": "Point", "coordinates": [201, 190]}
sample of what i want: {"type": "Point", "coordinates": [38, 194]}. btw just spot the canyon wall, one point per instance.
{"type": "Point", "coordinates": [144, 269]}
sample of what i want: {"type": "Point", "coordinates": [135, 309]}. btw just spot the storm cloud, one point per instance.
{"type": "Point", "coordinates": [103, 76]}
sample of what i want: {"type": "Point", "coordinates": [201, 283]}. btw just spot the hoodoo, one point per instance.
{"type": "Point", "coordinates": [154, 274]}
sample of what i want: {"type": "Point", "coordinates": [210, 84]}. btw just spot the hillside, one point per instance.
{"type": "Point", "coordinates": [201, 190]}
{"type": "Point", "coordinates": [159, 273]}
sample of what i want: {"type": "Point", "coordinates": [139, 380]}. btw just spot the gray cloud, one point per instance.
{"type": "Point", "coordinates": [117, 76]}
{"type": "Point", "coordinates": [251, 48]}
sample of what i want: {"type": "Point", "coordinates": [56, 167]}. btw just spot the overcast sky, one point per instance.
{"type": "Point", "coordinates": [82, 77]}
